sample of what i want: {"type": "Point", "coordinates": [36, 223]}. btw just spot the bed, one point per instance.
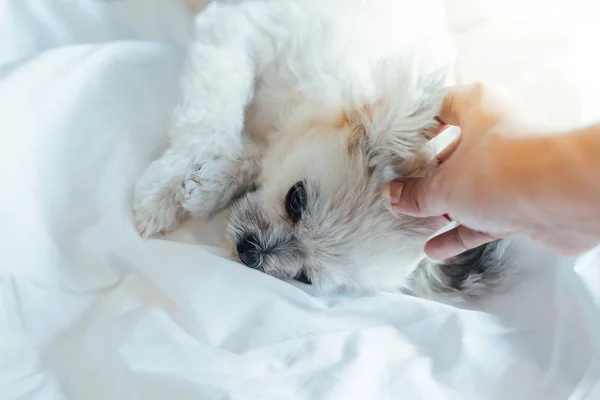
{"type": "Point", "coordinates": [89, 310]}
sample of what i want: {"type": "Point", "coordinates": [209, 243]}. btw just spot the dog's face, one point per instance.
{"type": "Point", "coordinates": [321, 214]}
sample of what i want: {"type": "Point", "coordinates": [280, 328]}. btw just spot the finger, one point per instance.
{"type": "Point", "coordinates": [455, 241]}
{"type": "Point", "coordinates": [413, 197]}
{"type": "Point", "coordinates": [448, 150]}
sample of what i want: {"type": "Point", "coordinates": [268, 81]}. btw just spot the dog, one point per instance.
{"type": "Point", "coordinates": [295, 115]}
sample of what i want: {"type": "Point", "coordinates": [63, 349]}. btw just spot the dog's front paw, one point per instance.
{"type": "Point", "coordinates": [210, 186]}
{"type": "Point", "coordinates": [154, 206]}
{"type": "Point", "coordinates": [174, 187]}
{"type": "Point", "coordinates": [160, 217]}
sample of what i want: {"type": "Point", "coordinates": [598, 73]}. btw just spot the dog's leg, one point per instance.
{"type": "Point", "coordinates": [208, 160]}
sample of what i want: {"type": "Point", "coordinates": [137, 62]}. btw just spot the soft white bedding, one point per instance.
{"type": "Point", "coordinates": [90, 311]}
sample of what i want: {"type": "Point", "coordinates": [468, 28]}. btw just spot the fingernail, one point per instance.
{"type": "Point", "coordinates": [396, 192]}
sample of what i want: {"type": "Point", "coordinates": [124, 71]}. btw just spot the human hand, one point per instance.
{"type": "Point", "coordinates": [495, 180]}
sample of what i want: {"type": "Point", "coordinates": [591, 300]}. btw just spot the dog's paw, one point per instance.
{"type": "Point", "coordinates": [154, 206]}
{"type": "Point", "coordinates": [160, 217]}
{"type": "Point", "coordinates": [157, 212]}
{"type": "Point", "coordinates": [209, 187]}
{"type": "Point", "coordinates": [173, 188]}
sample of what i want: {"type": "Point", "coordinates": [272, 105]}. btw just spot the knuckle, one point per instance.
{"type": "Point", "coordinates": [461, 239]}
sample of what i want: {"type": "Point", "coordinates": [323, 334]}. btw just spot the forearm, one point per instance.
{"type": "Point", "coordinates": [556, 179]}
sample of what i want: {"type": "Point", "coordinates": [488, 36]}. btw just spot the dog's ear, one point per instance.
{"type": "Point", "coordinates": [392, 128]}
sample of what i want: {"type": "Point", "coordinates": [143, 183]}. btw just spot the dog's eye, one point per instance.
{"type": "Point", "coordinates": [295, 201]}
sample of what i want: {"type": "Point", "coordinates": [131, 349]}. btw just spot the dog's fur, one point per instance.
{"type": "Point", "coordinates": [340, 95]}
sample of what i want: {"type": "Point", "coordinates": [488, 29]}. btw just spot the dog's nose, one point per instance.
{"type": "Point", "coordinates": [249, 251]}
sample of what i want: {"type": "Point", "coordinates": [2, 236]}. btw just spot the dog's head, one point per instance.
{"type": "Point", "coordinates": [321, 213]}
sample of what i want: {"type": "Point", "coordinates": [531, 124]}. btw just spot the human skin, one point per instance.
{"type": "Point", "coordinates": [508, 173]}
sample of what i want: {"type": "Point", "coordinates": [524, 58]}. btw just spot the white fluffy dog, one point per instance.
{"type": "Point", "coordinates": [296, 113]}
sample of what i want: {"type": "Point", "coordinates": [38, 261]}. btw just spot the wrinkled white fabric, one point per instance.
{"type": "Point", "coordinates": [90, 311]}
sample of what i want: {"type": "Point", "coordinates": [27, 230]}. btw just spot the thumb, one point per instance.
{"type": "Point", "coordinates": [455, 241]}
{"type": "Point", "coordinates": [415, 197]}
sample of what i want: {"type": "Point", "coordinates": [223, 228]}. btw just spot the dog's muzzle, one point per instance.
{"type": "Point", "coordinates": [249, 251]}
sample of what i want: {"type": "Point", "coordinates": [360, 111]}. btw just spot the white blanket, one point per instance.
{"type": "Point", "coordinates": [88, 310]}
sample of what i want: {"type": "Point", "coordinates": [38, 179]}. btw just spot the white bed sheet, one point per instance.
{"type": "Point", "coordinates": [90, 311]}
